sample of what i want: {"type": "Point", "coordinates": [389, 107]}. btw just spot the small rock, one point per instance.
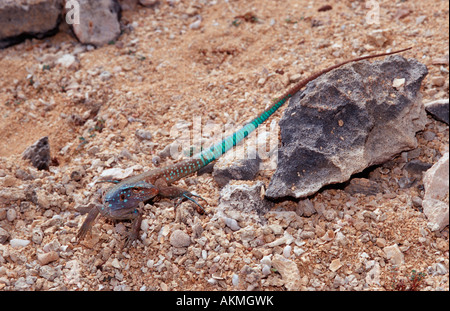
{"type": "Point", "coordinates": [305, 208]}
{"type": "Point", "coordinates": [4, 235]}
{"type": "Point", "coordinates": [143, 134]}
{"type": "Point", "coordinates": [295, 78]}
{"type": "Point", "coordinates": [289, 272]}
{"type": "Point", "coordinates": [68, 61]}
{"type": "Point", "coordinates": [236, 166]}
{"type": "Point", "coordinates": [373, 276]}
{"type": "Point", "coordinates": [335, 265]}
{"type": "Point", "coordinates": [245, 200]}
{"type": "Point", "coordinates": [46, 258]}
{"type": "Point", "coordinates": [116, 173]}
{"type": "Point", "coordinates": [11, 214]}
{"type": "Point", "coordinates": [179, 238]}
{"type": "Point", "coordinates": [380, 242]}
{"type": "Point", "coordinates": [394, 255]}
{"type": "Point", "coordinates": [37, 236]}
{"type": "Point", "coordinates": [100, 22]}
{"type": "Point", "coordinates": [105, 75]}
{"type": "Point", "coordinates": [438, 109]}
{"type": "Point", "coordinates": [19, 242]}
{"type": "Point", "coordinates": [438, 81]}
{"type": "Point", "coordinates": [287, 251]}
{"type": "Point", "coordinates": [39, 154]}
{"type": "Point", "coordinates": [235, 280]}
{"type": "Point", "coordinates": [364, 186]}
{"type": "Point", "coordinates": [435, 201]}
{"type": "Point", "coordinates": [115, 263]}
{"type": "Point", "coordinates": [195, 25]}
{"type": "Point", "coordinates": [48, 272]}
{"type": "Point", "coordinates": [416, 201]}
{"type": "Point", "coordinates": [429, 136]}
{"type": "Point", "coordinates": [231, 223]}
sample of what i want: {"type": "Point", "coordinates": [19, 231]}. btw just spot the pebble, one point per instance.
{"type": "Point", "coordinates": [335, 265]}
{"type": "Point", "coordinates": [231, 223]}
{"type": "Point", "coordinates": [438, 81]}
{"type": "Point", "coordinates": [287, 251]}
{"type": "Point", "coordinates": [105, 75]}
{"type": "Point", "coordinates": [11, 214]}
{"type": "Point", "coordinates": [179, 238]}
{"type": "Point", "coordinates": [394, 255]}
{"type": "Point", "coordinates": [68, 61]}
{"type": "Point", "coordinates": [143, 134]}
{"type": "Point", "coordinates": [116, 173]}
{"type": "Point", "coordinates": [195, 25]}
{"type": "Point", "coordinates": [19, 242]}
{"type": "Point", "coordinates": [235, 280]}
{"type": "Point", "coordinates": [46, 258]}
{"type": "Point", "coordinates": [4, 235]}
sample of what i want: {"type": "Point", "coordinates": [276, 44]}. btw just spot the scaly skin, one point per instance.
{"type": "Point", "coordinates": [121, 201]}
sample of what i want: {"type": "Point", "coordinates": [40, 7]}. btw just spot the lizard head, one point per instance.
{"type": "Point", "coordinates": [121, 201]}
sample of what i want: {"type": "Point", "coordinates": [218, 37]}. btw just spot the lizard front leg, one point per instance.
{"type": "Point", "coordinates": [134, 231]}
{"type": "Point", "coordinates": [88, 223]}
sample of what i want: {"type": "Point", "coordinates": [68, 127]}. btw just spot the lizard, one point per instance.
{"type": "Point", "coordinates": [121, 201]}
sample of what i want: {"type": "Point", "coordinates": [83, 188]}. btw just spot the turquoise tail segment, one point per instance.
{"type": "Point", "coordinates": [217, 150]}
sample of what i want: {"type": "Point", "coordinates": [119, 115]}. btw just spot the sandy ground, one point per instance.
{"type": "Point", "coordinates": [164, 70]}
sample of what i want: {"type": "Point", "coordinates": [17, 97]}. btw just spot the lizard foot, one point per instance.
{"type": "Point", "coordinates": [187, 195]}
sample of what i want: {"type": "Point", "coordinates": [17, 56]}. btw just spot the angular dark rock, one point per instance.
{"type": "Point", "coordinates": [346, 121]}
{"type": "Point", "coordinates": [39, 154]}
{"type": "Point", "coordinates": [243, 169]}
{"type": "Point", "coordinates": [438, 109]}
{"type": "Point", "coordinates": [24, 19]}
{"type": "Point", "coordinates": [363, 186]}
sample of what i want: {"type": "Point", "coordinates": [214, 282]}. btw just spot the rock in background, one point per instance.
{"type": "Point", "coordinates": [438, 109]}
{"type": "Point", "coordinates": [347, 120]}
{"type": "Point", "coordinates": [99, 22]}
{"type": "Point", "coordinates": [39, 154]}
{"type": "Point", "coordinates": [28, 18]}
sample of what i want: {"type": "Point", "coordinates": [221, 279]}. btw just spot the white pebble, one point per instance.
{"type": "Point", "coordinates": [19, 242]}
{"type": "Point", "coordinates": [287, 251]}
{"type": "Point", "coordinates": [265, 270]}
{"type": "Point", "coordinates": [232, 224]}
{"type": "Point", "coordinates": [11, 214]}
{"type": "Point", "coordinates": [196, 24]}
{"type": "Point", "coordinates": [266, 260]}
{"type": "Point", "coordinates": [235, 279]}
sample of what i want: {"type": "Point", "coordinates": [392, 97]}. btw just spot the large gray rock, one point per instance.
{"type": "Point", "coordinates": [99, 22]}
{"type": "Point", "coordinates": [21, 19]}
{"type": "Point", "coordinates": [346, 121]}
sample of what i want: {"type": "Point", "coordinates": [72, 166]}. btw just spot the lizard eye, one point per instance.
{"type": "Point", "coordinates": [122, 197]}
